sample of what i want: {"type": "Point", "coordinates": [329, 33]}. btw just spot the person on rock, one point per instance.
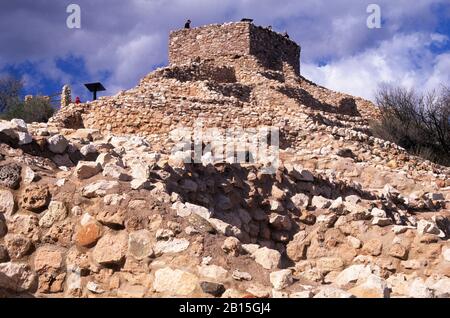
{"type": "Point", "coordinates": [187, 25]}
{"type": "Point", "coordinates": [286, 35]}
{"type": "Point", "coordinates": [77, 100]}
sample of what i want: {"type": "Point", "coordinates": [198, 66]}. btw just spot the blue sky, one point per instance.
{"type": "Point", "coordinates": [121, 41]}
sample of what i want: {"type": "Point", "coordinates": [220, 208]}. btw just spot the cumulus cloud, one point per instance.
{"type": "Point", "coordinates": [127, 39]}
{"type": "Point", "coordinates": [406, 60]}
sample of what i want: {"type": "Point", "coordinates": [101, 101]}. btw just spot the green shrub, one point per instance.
{"type": "Point", "coordinates": [37, 109]}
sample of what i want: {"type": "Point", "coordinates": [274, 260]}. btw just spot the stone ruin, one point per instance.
{"type": "Point", "coordinates": [95, 203]}
{"type": "Point", "coordinates": [242, 46]}
{"type": "Point", "coordinates": [234, 74]}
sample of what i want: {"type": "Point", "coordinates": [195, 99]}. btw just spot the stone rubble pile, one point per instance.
{"type": "Point", "coordinates": [124, 220]}
{"type": "Point", "coordinates": [110, 199]}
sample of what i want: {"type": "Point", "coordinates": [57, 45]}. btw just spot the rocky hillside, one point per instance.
{"type": "Point", "coordinates": [83, 214]}
{"type": "Point", "coordinates": [102, 201]}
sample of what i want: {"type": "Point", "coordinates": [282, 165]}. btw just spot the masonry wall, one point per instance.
{"type": "Point", "coordinates": [209, 42]}
{"type": "Point", "coordinates": [273, 50]}
{"type": "Point", "coordinates": [230, 42]}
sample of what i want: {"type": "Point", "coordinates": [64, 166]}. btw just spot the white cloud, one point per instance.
{"type": "Point", "coordinates": [127, 39]}
{"type": "Point", "coordinates": [405, 60]}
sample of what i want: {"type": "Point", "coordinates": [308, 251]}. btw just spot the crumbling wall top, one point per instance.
{"type": "Point", "coordinates": [228, 41]}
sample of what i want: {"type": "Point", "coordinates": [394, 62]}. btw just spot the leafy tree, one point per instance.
{"type": "Point", "coordinates": [37, 109]}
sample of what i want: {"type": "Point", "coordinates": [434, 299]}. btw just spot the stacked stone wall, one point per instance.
{"type": "Point", "coordinates": [229, 43]}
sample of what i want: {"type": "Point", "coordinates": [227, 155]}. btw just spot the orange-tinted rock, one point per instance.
{"type": "Point", "coordinates": [88, 234]}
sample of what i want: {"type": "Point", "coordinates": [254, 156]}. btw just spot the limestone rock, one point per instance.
{"type": "Point", "coordinates": [17, 245]}
{"type": "Point", "coordinates": [352, 274]}
{"type": "Point", "coordinates": [87, 169]}
{"type": "Point", "coordinates": [28, 175]}
{"type": "Point", "coordinates": [373, 247]}
{"type": "Point", "coordinates": [373, 287]}
{"type": "Point", "coordinates": [398, 251]}
{"type": "Point", "coordinates": [17, 277]}
{"type": "Point", "coordinates": [418, 289]}
{"type": "Point", "coordinates": [48, 258]}
{"type": "Point", "coordinates": [267, 258]}
{"type": "Point", "coordinates": [302, 294]}
{"type": "Point", "coordinates": [174, 282]}
{"type": "Point", "coordinates": [446, 254]}
{"type": "Point", "coordinates": [354, 242]}
{"type": "Point", "coordinates": [140, 244]}
{"type": "Point", "coordinates": [115, 171]}
{"type": "Point", "coordinates": [440, 287]}
{"type": "Point", "coordinates": [99, 188]}
{"type": "Point", "coordinates": [277, 193]}
{"type": "Point", "coordinates": [329, 264]}
{"type": "Point", "coordinates": [381, 221]}
{"type": "Point", "coordinates": [320, 202]}
{"type": "Point", "coordinates": [232, 246]}
{"type": "Point", "coordinates": [428, 227]}
{"type": "Point", "coordinates": [6, 202]}
{"type": "Point", "coordinates": [300, 200]}
{"type": "Point", "coordinates": [214, 272]}
{"type": "Point", "coordinates": [238, 275]}
{"type": "Point", "coordinates": [379, 213]}
{"type": "Point", "coordinates": [297, 248]}
{"type": "Point", "coordinates": [57, 144]}
{"type": "Point", "coordinates": [56, 211]}
{"type": "Point", "coordinates": [111, 248]}
{"type": "Point", "coordinates": [172, 246]}
{"type": "Point", "coordinates": [332, 292]}
{"type": "Point", "coordinates": [281, 279]}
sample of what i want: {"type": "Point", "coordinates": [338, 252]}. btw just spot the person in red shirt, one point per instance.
{"type": "Point", "coordinates": [77, 100]}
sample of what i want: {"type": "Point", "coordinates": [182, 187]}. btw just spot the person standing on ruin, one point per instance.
{"type": "Point", "coordinates": [187, 25]}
